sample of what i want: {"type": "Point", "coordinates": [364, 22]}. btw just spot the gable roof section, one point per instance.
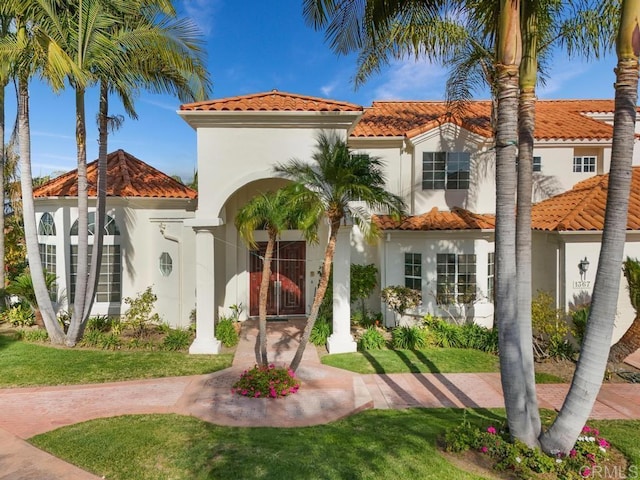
{"type": "Point", "coordinates": [273, 101]}
{"type": "Point", "coordinates": [456, 219]}
{"type": "Point", "coordinates": [555, 119]}
{"type": "Point", "coordinates": [127, 176]}
{"type": "Point", "coordinates": [582, 208]}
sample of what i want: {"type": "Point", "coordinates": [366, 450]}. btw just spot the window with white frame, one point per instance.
{"type": "Point", "coordinates": [456, 278]}
{"type": "Point", "coordinates": [445, 170]}
{"type": "Point", "coordinates": [491, 275]}
{"type": "Point", "coordinates": [47, 248]}
{"type": "Point", "coordinates": [110, 278]}
{"type": "Point", "coordinates": [584, 164]}
{"type": "Point", "coordinates": [537, 164]}
{"type": "Point", "coordinates": [413, 271]}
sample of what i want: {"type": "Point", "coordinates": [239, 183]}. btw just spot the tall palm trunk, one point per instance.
{"type": "Point", "coordinates": [3, 161]}
{"type": "Point", "coordinates": [526, 126]}
{"type": "Point", "coordinates": [319, 296]}
{"type": "Point", "coordinates": [509, 334]}
{"type": "Point", "coordinates": [55, 331]}
{"type": "Point", "coordinates": [264, 291]}
{"type": "Point", "coordinates": [82, 269]}
{"type": "Point", "coordinates": [587, 380]}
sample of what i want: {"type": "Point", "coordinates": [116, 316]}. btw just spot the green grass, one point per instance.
{"type": "Point", "coordinates": [543, 377]}
{"type": "Point", "coordinates": [141, 447]}
{"type": "Point", "coordinates": [176, 447]}
{"type": "Point", "coordinates": [25, 364]}
{"type": "Point", "coordinates": [429, 360]}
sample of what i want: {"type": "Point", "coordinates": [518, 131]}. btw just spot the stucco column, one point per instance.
{"type": "Point", "coordinates": [205, 342]}
{"type": "Point", "coordinates": [341, 340]}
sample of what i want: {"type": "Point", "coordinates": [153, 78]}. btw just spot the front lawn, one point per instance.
{"type": "Point", "coordinates": [376, 444]}
{"type": "Point", "coordinates": [428, 360]}
{"type": "Point", "coordinates": [26, 364]}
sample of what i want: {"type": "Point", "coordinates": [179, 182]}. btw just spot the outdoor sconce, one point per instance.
{"type": "Point", "coordinates": [583, 266]}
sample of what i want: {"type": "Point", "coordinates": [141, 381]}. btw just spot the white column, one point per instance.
{"type": "Point", "coordinates": [205, 341]}
{"type": "Point", "coordinates": [341, 340]}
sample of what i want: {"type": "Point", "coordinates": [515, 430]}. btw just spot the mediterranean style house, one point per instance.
{"type": "Point", "coordinates": [442, 164]}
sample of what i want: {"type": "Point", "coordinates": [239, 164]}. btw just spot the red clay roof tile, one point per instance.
{"type": "Point", "coordinates": [273, 101]}
{"type": "Point", "coordinates": [555, 119]}
{"type": "Point", "coordinates": [456, 219]}
{"type": "Point", "coordinates": [582, 208]}
{"type": "Point", "coordinates": [127, 176]}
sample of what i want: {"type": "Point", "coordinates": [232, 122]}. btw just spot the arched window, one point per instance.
{"type": "Point", "coordinates": [110, 226]}
{"type": "Point", "coordinates": [47, 248]}
{"type": "Point", "coordinates": [109, 282]}
{"type": "Point", "coordinates": [47, 226]}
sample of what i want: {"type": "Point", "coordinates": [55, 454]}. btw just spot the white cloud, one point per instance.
{"type": "Point", "coordinates": [172, 107]}
{"type": "Point", "coordinates": [561, 77]}
{"type": "Point", "coordinates": [202, 13]}
{"type": "Point", "coordinates": [412, 80]}
{"type": "Point", "coordinates": [39, 133]}
{"type": "Point", "coordinates": [328, 89]}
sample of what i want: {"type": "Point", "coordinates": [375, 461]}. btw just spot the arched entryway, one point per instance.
{"type": "Point", "coordinates": [286, 294]}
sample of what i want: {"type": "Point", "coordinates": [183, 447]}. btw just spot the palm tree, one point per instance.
{"type": "Point", "coordinates": [22, 287]}
{"type": "Point", "coordinates": [630, 341]}
{"type": "Point", "coordinates": [591, 366]}
{"type": "Point", "coordinates": [275, 212]}
{"type": "Point", "coordinates": [333, 181]}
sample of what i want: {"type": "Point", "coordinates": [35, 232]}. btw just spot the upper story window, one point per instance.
{"type": "Point", "coordinates": [110, 227]}
{"type": "Point", "coordinates": [413, 271]}
{"type": "Point", "coordinates": [584, 164]}
{"type": "Point", "coordinates": [445, 170]}
{"type": "Point", "coordinates": [47, 226]}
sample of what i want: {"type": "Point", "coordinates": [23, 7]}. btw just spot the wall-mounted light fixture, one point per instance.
{"type": "Point", "coordinates": [583, 266]}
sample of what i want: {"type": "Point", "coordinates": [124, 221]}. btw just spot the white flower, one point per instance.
{"type": "Point", "coordinates": [518, 459]}
{"type": "Point", "coordinates": [603, 450]}
{"type": "Point", "coordinates": [558, 460]}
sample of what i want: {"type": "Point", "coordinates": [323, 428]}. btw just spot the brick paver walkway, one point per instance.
{"type": "Point", "coordinates": [328, 394]}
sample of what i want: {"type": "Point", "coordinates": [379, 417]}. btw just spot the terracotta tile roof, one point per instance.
{"type": "Point", "coordinates": [456, 219]}
{"type": "Point", "coordinates": [555, 119]}
{"type": "Point", "coordinates": [273, 101]}
{"type": "Point", "coordinates": [582, 208]}
{"type": "Point", "coordinates": [127, 176]}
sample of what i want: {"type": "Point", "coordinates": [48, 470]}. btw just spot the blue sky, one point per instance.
{"type": "Point", "coordinates": [256, 46]}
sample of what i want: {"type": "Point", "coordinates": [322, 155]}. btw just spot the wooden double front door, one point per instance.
{"type": "Point", "coordinates": [287, 281]}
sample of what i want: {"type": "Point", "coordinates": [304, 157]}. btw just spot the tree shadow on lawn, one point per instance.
{"type": "Point", "coordinates": [7, 338]}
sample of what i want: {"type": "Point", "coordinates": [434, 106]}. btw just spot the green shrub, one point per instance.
{"type": "Point", "coordinates": [550, 330]}
{"type": "Point", "coordinates": [100, 323]}
{"type": "Point", "coordinates": [226, 332]}
{"type": "Point", "coordinates": [445, 334]}
{"type": "Point", "coordinates": [110, 341]}
{"type": "Point", "coordinates": [138, 316]}
{"type": "Point", "coordinates": [177, 339]}
{"type": "Point", "coordinates": [579, 318]}
{"type": "Point", "coordinates": [19, 315]}
{"type": "Point", "coordinates": [479, 337]}
{"type": "Point", "coordinates": [92, 338]}
{"type": "Point", "coordinates": [372, 339]}
{"type": "Point", "coordinates": [320, 332]}
{"type": "Point", "coordinates": [410, 338]}
{"type": "Point", "coordinates": [37, 335]}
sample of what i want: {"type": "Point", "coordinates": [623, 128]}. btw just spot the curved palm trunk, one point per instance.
{"type": "Point", "coordinates": [264, 291]}
{"type": "Point", "coordinates": [587, 380]}
{"type": "Point", "coordinates": [322, 289]}
{"type": "Point", "coordinates": [55, 331]}
{"type": "Point", "coordinates": [628, 343]}
{"type": "Point", "coordinates": [3, 161]}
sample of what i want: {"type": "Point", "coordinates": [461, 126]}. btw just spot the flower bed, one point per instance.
{"type": "Point", "coordinates": [266, 382]}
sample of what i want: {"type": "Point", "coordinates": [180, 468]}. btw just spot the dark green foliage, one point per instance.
{"type": "Point", "coordinates": [363, 281]}
{"type": "Point", "coordinates": [372, 339]}
{"type": "Point", "coordinates": [20, 315]}
{"type": "Point", "coordinates": [176, 340]}
{"type": "Point", "coordinates": [320, 332]}
{"type": "Point", "coordinates": [551, 332]}
{"type": "Point", "coordinates": [226, 332]}
{"type": "Point", "coordinates": [410, 338]}
{"type": "Point", "coordinates": [100, 323]}
{"type": "Point", "coordinates": [469, 335]}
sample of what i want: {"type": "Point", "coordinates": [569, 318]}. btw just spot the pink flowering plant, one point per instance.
{"type": "Point", "coordinates": [590, 451]}
{"type": "Point", "coordinates": [266, 382]}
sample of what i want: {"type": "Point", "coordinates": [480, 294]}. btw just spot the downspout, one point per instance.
{"type": "Point", "coordinates": [178, 241]}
